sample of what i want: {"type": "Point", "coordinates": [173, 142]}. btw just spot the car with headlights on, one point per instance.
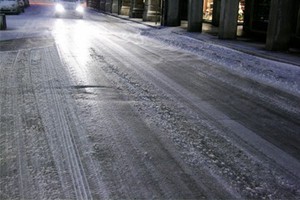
{"type": "Point", "coordinates": [69, 8]}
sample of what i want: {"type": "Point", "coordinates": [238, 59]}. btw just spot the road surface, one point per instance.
{"type": "Point", "coordinates": [99, 109]}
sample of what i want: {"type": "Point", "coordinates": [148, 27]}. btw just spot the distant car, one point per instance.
{"type": "Point", "coordinates": [11, 6]}
{"type": "Point", "coordinates": [69, 7]}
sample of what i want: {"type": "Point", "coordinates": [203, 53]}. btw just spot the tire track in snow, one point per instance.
{"type": "Point", "coordinates": [15, 141]}
{"type": "Point", "coordinates": [59, 131]}
{"type": "Point", "coordinates": [16, 129]}
{"type": "Point", "coordinates": [93, 168]}
{"type": "Point", "coordinates": [9, 153]}
{"type": "Point", "coordinates": [135, 66]}
{"type": "Point", "coordinates": [25, 168]}
{"type": "Point", "coordinates": [122, 145]}
{"type": "Point", "coordinates": [179, 92]}
{"type": "Point", "coordinates": [81, 176]}
{"type": "Point", "coordinates": [36, 128]}
{"type": "Point", "coordinates": [24, 179]}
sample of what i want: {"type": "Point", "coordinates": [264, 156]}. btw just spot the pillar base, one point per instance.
{"type": "Point", "coordinates": [116, 5]}
{"type": "Point", "coordinates": [228, 19]}
{"type": "Point", "coordinates": [2, 22]}
{"type": "Point", "coordinates": [102, 5]}
{"type": "Point", "coordinates": [152, 11]}
{"type": "Point", "coordinates": [137, 13]}
{"type": "Point", "coordinates": [195, 15]}
{"type": "Point", "coordinates": [152, 16]}
{"type": "Point", "coordinates": [279, 28]}
{"type": "Point", "coordinates": [171, 13]}
{"type": "Point", "coordinates": [125, 10]}
{"type": "Point", "coordinates": [108, 6]}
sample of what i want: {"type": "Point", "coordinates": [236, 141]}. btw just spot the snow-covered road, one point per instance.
{"type": "Point", "coordinates": [104, 108]}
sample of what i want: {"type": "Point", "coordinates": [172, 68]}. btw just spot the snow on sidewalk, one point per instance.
{"type": "Point", "coordinates": [266, 71]}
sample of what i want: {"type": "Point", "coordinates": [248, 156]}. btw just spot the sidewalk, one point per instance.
{"type": "Point", "coordinates": [243, 44]}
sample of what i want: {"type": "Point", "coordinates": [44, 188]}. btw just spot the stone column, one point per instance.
{"type": "Point", "coordinates": [171, 14]}
{"type": "Point", "coordinates": [116, 6]}
{"type": "Point", "coordinates": [3, 22]}
{"type": "Point", "coordinates": [93, 4]}
{"type": "Point", "coordinates": [279, 27]}
{"type": "Point", "coordinates": [136, 9]}
{"type": "Point", "coordinates": [108, 6]}
{"type": "Point", "coordinates": [298, 24]}
{"type": "Point", "coordinates": [152, 10]}
{"type": "Point", "coordinates": [216, 12]}
{"type": "Point", "coordinates": [102, 5]}
{"type": "Point", "coordinates": [228, 19]}
{"type": "Point", "coordinates": [195, 16]}
{"type": "Point", "coordinates": [125, 8]}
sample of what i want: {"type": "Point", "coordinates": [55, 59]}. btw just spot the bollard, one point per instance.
{"type": "Point", "coordinates": [2, 21]}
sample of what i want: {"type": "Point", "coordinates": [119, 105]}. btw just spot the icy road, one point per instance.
{"type": "Point", "coordinates": [104, 108]}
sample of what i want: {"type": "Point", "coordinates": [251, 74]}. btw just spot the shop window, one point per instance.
{"type": "Point", "coordinates": [208, 10]}
{"type": "Point", "coordinates": [241, 11]}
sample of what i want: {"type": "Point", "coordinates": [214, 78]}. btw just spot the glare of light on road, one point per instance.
{"type": "Point", "coordinates": [74, 34]}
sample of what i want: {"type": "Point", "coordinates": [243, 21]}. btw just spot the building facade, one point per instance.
{"type": "Point", "coordinates": [277, 21]}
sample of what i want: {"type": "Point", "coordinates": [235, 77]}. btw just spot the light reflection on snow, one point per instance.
{"type": "Point", "coordinates": [74, 43]}
{"type": "Point", "coordinates": [81, 35]}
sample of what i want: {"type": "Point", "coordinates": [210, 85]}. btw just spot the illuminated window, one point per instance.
{"type": "Point", "coordinates": [208, 9]}
{"type": "Point", "coordinates": [241, 11]}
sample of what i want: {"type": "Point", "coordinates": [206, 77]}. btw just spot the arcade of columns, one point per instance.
{"type": "Point", "coordinates": [225, 16]}
{"type": "Point", "coordinates": [149, 10]}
